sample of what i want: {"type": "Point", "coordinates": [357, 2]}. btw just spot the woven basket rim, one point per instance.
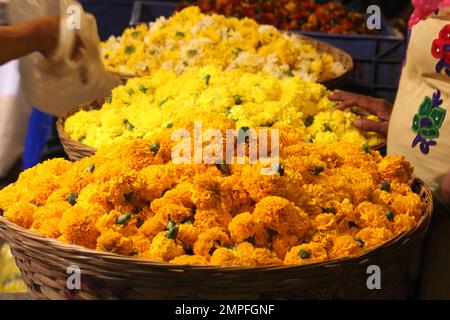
{"type": "Point", "coordinates": [64, 136]}
{"type": "Point", "coordinates": [82, 251]}
{"type": "Point", "coordinates": [338, 55]}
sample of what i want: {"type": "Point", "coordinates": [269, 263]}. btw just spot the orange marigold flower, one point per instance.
{"type": "Point", "coordinates": [282, 216]}
{"type": "Point", "coordinates": [306, 253]}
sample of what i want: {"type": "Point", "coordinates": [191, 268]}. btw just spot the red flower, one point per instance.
{"type": "Point", "coordinates": [444, 34]}
{"type": "Point", "coordinates": [440, 48]}
{"type": "Point", "coordinates": [437, 48]}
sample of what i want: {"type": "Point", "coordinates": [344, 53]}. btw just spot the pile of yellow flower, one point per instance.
{"type": "Point", "coordinates": [320, 203]}
{"type": "Point", "coordinates": [10, 278]}
{"type": "Point", "coordinates": [151, 105]}
{"type": "Point", "coordinates": [191, 38]}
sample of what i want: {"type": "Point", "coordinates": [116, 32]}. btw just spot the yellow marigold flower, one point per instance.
{"type": "Point", "coordinates": [21, 214]}
{"type": "Point", "coordinates": [211, 193]}
{"type": "Point", "coordinates": [153, 226]}
{"type": "Point", "coordinates": [154, 107]}
{"type": "Point", "coordinates": [306, 253]}
{"type": "Point", "coordinates": [141, 244]}
{"type": "Point", "coordinates": [245, 254]}
{"type": "Point", "coordinates": [372, 215]}
{"type": "Point", "coordinates": [165, 248]}
{"type": "Point", "coordinates": [410, 204]}
{"type": "Point", "coordinates": [225, 257]}
{"type": "Point", "coordinates": [78, 227]}
{"type": "Point", "coordinates": [326, 238]}
{"type": "Point", "coordinates": [403, 223]}
{"type": "Point", "coordinates": [324, 222]}
{"type": "Point", "coordinates": [265, 257]}
{"type": "Point", "coordinates": [282, 243]}
{"type": "Point", "coordinates": [345, 246]}
{"type": "Point", "coordinates": [211, 218]}
{"type": "Point", "coordinates": [46, 219]}
{"type": "Point", "coordinates": [242, 202]}
{"type": "Point", "coordinates": [154, 180]}
{"type": "Point", "coordinates": [260, 185]}
{"type": "Point", "coordinates": [190, 260]}
{"type": "Point", "coordinates": [175, 212]}
{"type": "Point", "coordinates": [210, 240]}
{"type": "Point", "coordinates": [244, 228]}
{"type": "Point", "coordinates": [395, 169]}
{"type": "Point", "coordinates": [112, 241]}
{"type": "Point", "coordinates": [282, 216]}
{"type": "Point", "coordinates": [181, 194]}
{"type": "Point", "coordinates": [372, 237]}
{"type": "Point", "coordinates": [187, 235]}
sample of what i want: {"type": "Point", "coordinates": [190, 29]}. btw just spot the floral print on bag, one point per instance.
{"type": "Point", "coordinates": [440, 49]}
{"type": "Point", "coordinates": [428, 121]}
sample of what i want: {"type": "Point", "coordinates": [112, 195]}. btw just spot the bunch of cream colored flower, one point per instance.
{"type": "Point", "coordinates": [191, 38]}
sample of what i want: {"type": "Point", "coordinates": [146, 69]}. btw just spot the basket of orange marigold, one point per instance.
{"type": "Point", "coordinates": [137, 225]}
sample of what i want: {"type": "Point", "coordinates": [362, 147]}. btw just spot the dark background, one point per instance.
{"type": "Point", "coordinates": [113, 16]}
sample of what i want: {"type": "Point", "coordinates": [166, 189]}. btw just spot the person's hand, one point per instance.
{"type": "Point", "coordinates": [378, 107]}
{"type": "Point", "coordinates": [47, 33]}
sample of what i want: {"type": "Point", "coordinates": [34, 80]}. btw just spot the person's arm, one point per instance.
{"type": "Point", "coordinates": [445, 189]}
{"type": "Point", "coordinates": [20, 40]}
{"type": "Point", "coordinates": [378, 107]}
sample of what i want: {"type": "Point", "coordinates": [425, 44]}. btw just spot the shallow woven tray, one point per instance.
{"type": "Point", "coordinates": [338, 55]}
{"type": "Point", "coordinates": [44, 264]}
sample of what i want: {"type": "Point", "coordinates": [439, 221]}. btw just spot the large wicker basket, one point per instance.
{"type": "Point", "coordinates": [44, 264]}
{"type": "Point", "coordinates": [338, 55]}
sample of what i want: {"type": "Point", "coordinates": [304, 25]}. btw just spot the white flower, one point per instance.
{"type": "Point", "coordinates": [265, 27]}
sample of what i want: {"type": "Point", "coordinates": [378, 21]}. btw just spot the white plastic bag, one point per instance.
{"type": "Point", "coordinates": [58, 85]}
{"type": "Point", "coordinates": [14, 113]}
